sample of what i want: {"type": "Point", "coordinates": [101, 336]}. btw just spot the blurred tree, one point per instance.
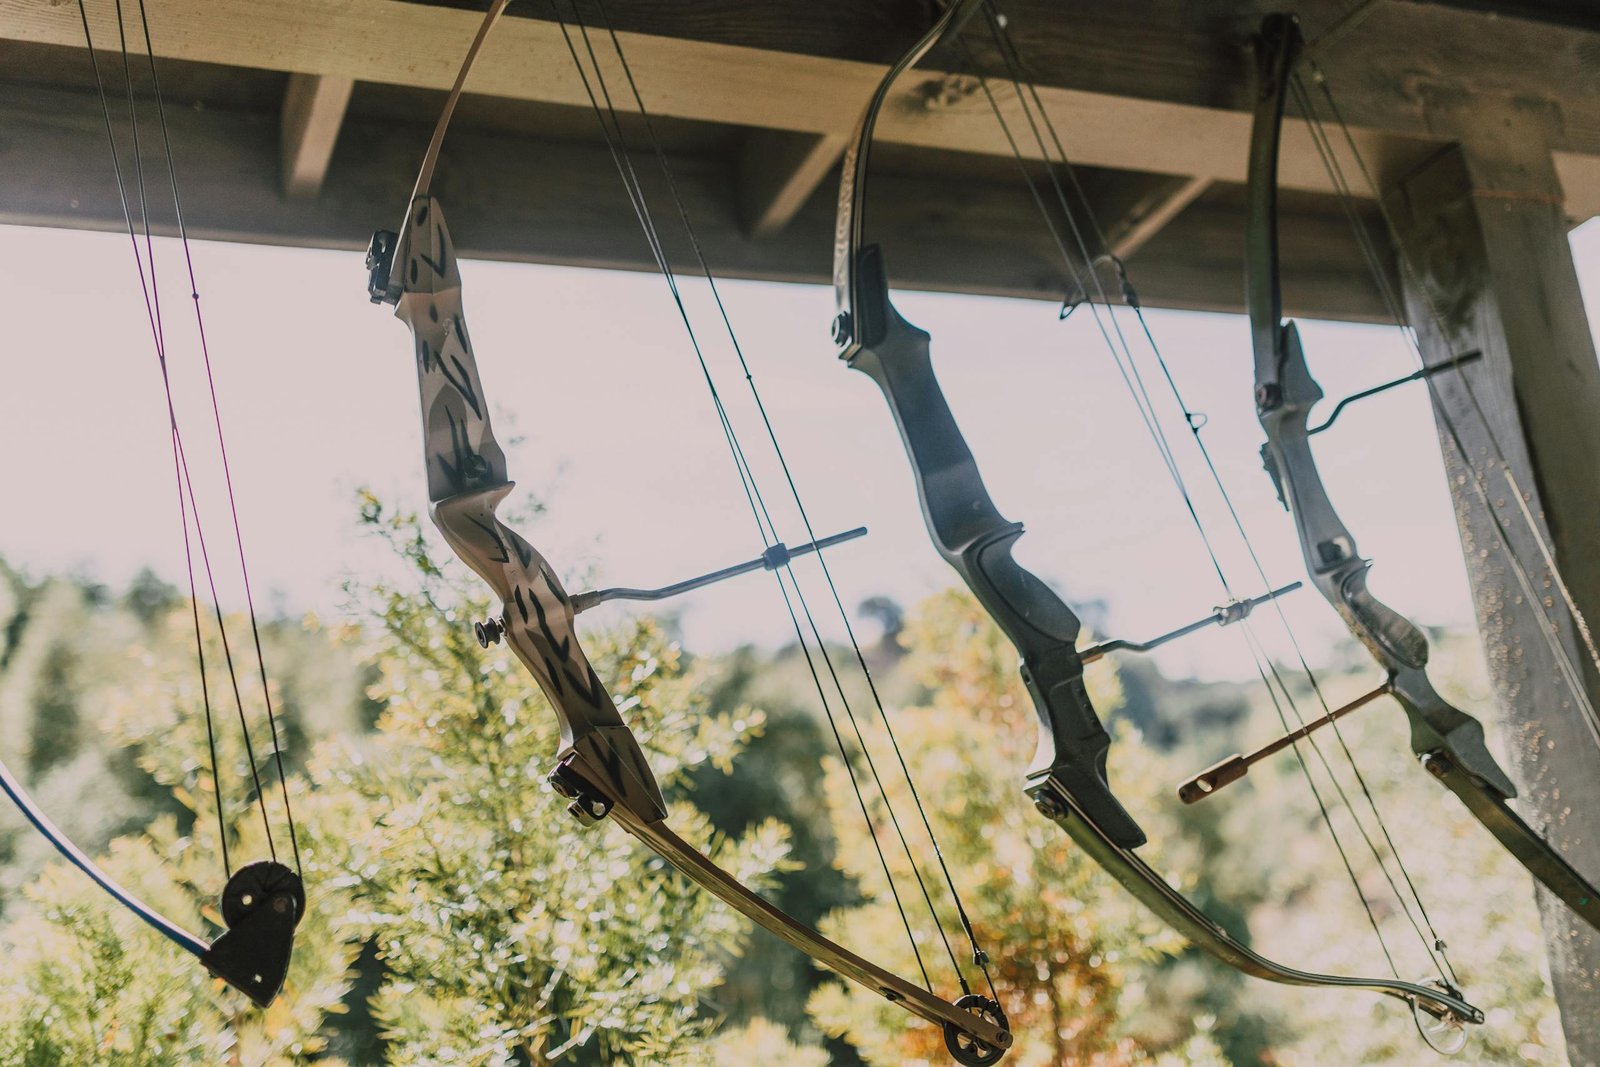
{"type": "Point", "coordinates": [87, 983]}
{"type": "Point", "coordinates": [763, 1042]}
{"type": "Point", "coordinates": [778, 775]}
{"type": "Point", "coordinates": [505, 934]}
{"type": "Point", "coordinates": [491, 930]}
{"type": "Point", "coordinates": [891, 619]}
{"type": "Point", "coordinates": [1063, 939]}
{"type": "Point", "coordinates": [509, 933]}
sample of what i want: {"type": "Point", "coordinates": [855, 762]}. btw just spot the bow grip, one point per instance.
{"type": "Point", "coordinates": [1073, 745]}
{"type": "Point", "coordinates": [975, 539]}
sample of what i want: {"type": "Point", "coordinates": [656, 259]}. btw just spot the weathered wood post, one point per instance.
{"type": "Point", "coordinates": [1488, 267]}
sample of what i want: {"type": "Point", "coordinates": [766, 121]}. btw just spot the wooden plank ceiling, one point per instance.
{"type": "Point", "coordinates": [302, 122]}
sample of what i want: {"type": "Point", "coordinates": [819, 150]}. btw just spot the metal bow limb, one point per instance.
{"type": "Point", "coordinates": [1448, 742]}
{"type": "Point", "coordinates": [1067, 779]}
{"type": "Point", "coordinates": [600, 766]}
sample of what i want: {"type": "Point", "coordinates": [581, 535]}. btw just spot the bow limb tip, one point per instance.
{"type": "Point", "coordinates": [261, 906]}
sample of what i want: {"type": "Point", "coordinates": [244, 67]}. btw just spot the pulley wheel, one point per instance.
{"type": "Point", "coordinates": [968, 1050]}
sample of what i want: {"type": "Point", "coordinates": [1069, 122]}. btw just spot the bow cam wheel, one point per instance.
{"type": "Point", "coordinates": [968, 1050]}
{"type": "Point", "coordinates": [1445, 1033]}
{"type": "Point", "coordinates": [263, 884]}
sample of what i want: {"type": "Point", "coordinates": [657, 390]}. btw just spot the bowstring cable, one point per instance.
{"type": "Point", "coordinates": [154, 297]}
{"type": "Point", "coordinates": [173, 433]}
{"type": "Point", "coordinates": [616, 142]}
{"type": "Point", "coordinates": [979, 955]}
{"type": "Point", "coordinates": [188, 500]}
{"type": "Point", "coordinates": [222, 446]}
{"type": "Point", "coordinates": [611, 130]}
{"type": "Point", "coordinates": [1056, 160]}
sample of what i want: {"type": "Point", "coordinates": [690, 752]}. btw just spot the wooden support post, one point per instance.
{"type": "Point", "coordinates": [313, 111]}
{"type": "Point", "coordinates": [1488, 267]}
{"type": "Point", "coordinates": [778, 172]}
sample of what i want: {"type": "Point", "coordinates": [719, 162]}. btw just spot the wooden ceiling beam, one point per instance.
{"type": "Point", "coordinates": [1578, 14]}
{"type": "Point", "coordinates": [1150, 215]}
{"type": "Point", "coordinates": [945, 235]}
{"type": "Point", "coordinates": [403, 43]}
{"type": "Point", "coordinates": [313, 110]}
{"type": "Point", "coordinates": [778, 172]}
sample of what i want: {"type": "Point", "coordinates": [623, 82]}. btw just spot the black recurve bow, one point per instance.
{"type": "Point", "coordinates": [1067, 779]}
{"type": "Point", "coordinates": [1448, 742]}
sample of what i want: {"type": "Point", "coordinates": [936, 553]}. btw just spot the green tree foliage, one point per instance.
{"type": "Point", "coordinates": [1065, 943]}
{"type": "Point", "coordinates": [508, 932]}
{"type": "Point", "coordinates": [505, 932]}
{"type": "Point", "coordinates": [489, 928]}
{"type": "Point", "coordinates": [87, 983]}
{"type": "Point", "coordinates": [763, 1042]}
{"type": "Point", "coordinates": [777, 776]}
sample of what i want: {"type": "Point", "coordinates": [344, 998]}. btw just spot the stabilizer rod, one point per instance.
{"type": "Point", "coordinates": [1415, 376]}
{"type": "Point", "coordinates": [779, 555]}
{"type": "Point", "coordinates": [1222, 615]}
{"type": "Point", "coordinates": [1238, 765]}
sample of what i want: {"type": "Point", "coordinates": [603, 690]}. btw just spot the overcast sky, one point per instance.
{"type": "Point", "coordinates": [591, 371]}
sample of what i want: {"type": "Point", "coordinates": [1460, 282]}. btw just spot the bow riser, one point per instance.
{"type": "Point", "coordinates": [466, 483]}
{"type": "Point", "coordinates": [1340, 574]}
{"type": "Point", "coordinates": [975, 539]}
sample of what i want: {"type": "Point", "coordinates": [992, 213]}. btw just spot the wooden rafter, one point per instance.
{"type": "Point", "coordinates": [313, 110]}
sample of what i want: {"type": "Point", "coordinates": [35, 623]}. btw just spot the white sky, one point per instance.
{"type": "Point", "coordinates": [591, 370]}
